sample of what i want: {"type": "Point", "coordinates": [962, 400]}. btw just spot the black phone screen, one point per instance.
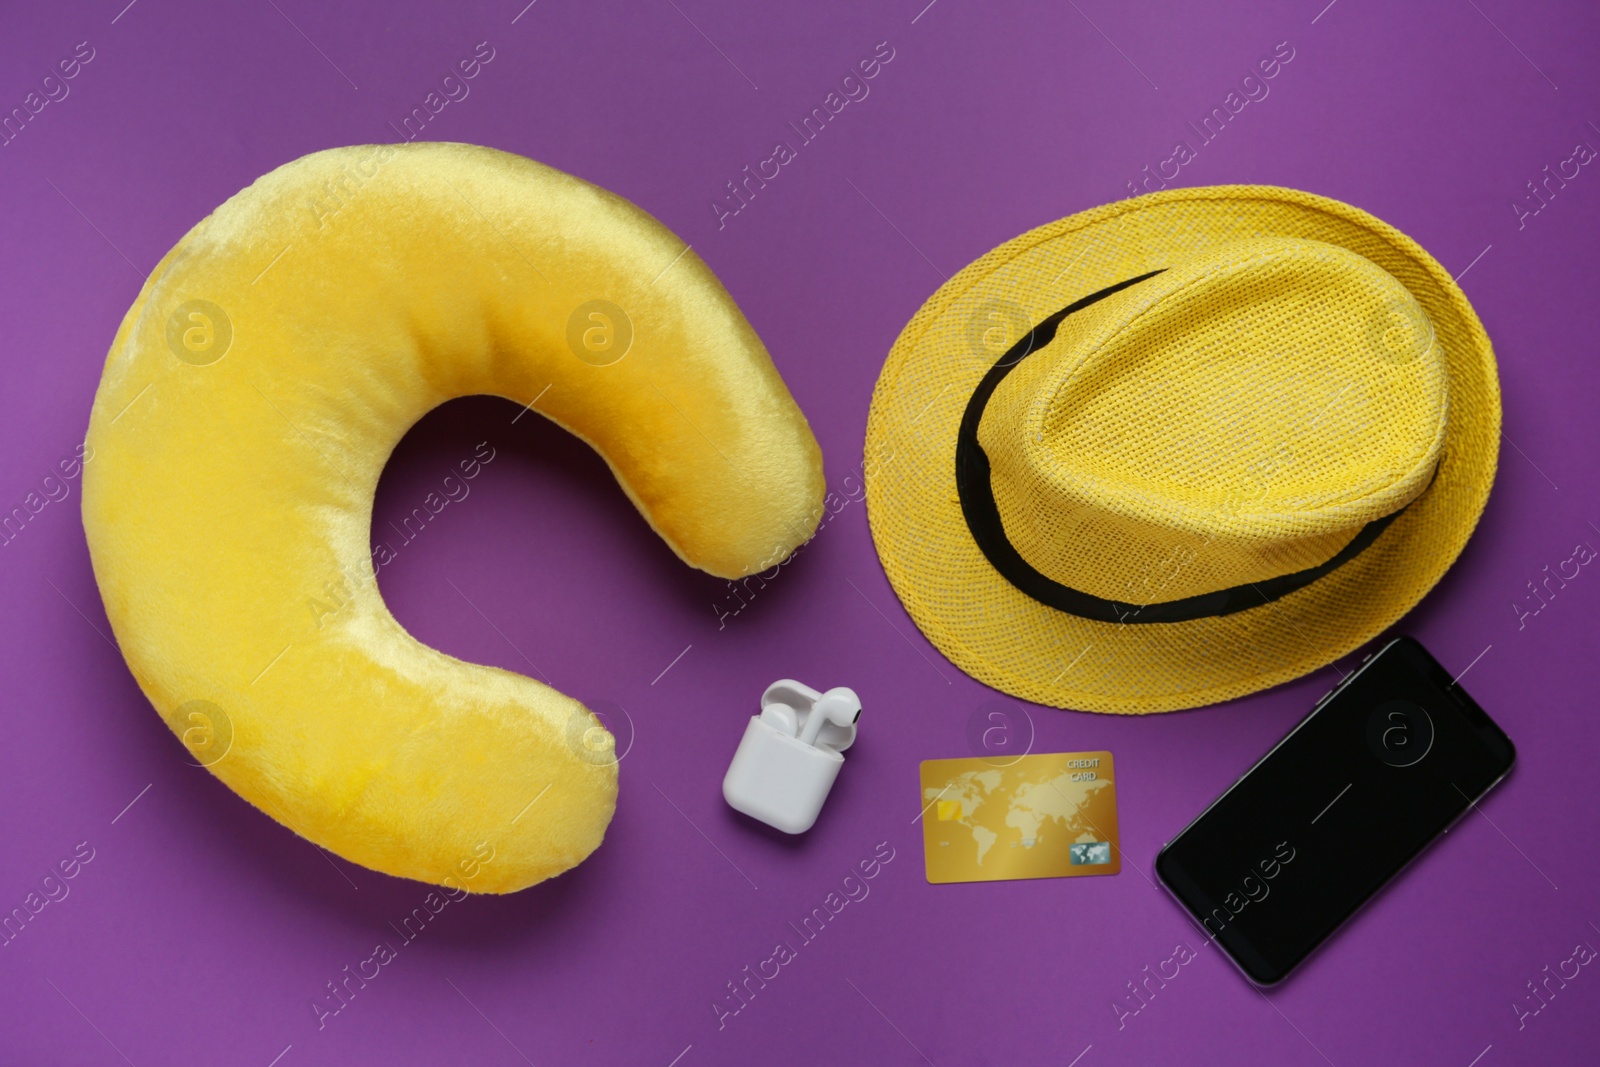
{"type": "Point", "coordinates": [1382, 765]}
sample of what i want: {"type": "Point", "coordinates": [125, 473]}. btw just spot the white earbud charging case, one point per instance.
{"type": "Point", "coordinates": [779, 779]}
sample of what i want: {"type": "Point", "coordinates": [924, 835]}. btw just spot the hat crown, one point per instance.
{"type": "Point", "coordinates": [1237, 417]}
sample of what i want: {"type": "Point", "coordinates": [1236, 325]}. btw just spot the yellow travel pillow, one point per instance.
{"type": "Point", "coordinates": [249, 402]}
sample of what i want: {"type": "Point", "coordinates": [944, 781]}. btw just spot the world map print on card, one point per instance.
{"type": "Point", "coordinates": [1050, 815]}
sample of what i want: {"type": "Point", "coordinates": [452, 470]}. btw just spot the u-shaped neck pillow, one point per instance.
{"type": "Point", "coordinates": [248, 405]}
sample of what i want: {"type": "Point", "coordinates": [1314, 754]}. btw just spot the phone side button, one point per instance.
{"type": "Point", "coordinates": [1473, 803]}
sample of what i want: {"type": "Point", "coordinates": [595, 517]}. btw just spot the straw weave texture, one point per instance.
{"type": "Point", "coordinates": [1239, 416]}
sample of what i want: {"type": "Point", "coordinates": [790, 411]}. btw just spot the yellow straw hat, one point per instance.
{"type": "Point", "coordinates": [1180, 448]}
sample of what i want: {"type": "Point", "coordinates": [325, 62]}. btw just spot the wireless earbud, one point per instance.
{"type": "Point", "coordinates": [782, 717]}
{"type": "Point", "coordinates": [839, 706]}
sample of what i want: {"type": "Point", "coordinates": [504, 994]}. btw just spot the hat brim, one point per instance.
{"type": "Point", "coordinates": [1006, 639]}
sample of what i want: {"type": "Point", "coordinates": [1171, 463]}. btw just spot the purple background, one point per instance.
{"type": "Point", "coordinates": [201, 930]}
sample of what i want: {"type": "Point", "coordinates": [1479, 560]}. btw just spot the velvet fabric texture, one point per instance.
{"type": "Point", "coordinates": [248, 405]}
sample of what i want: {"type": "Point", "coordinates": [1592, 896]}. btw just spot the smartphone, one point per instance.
{"type": "Point", "coordinates": [1385, 763]}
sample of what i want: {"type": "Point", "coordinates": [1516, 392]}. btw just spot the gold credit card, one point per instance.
{"type": "Point", "coordinates": [1051, 815]}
